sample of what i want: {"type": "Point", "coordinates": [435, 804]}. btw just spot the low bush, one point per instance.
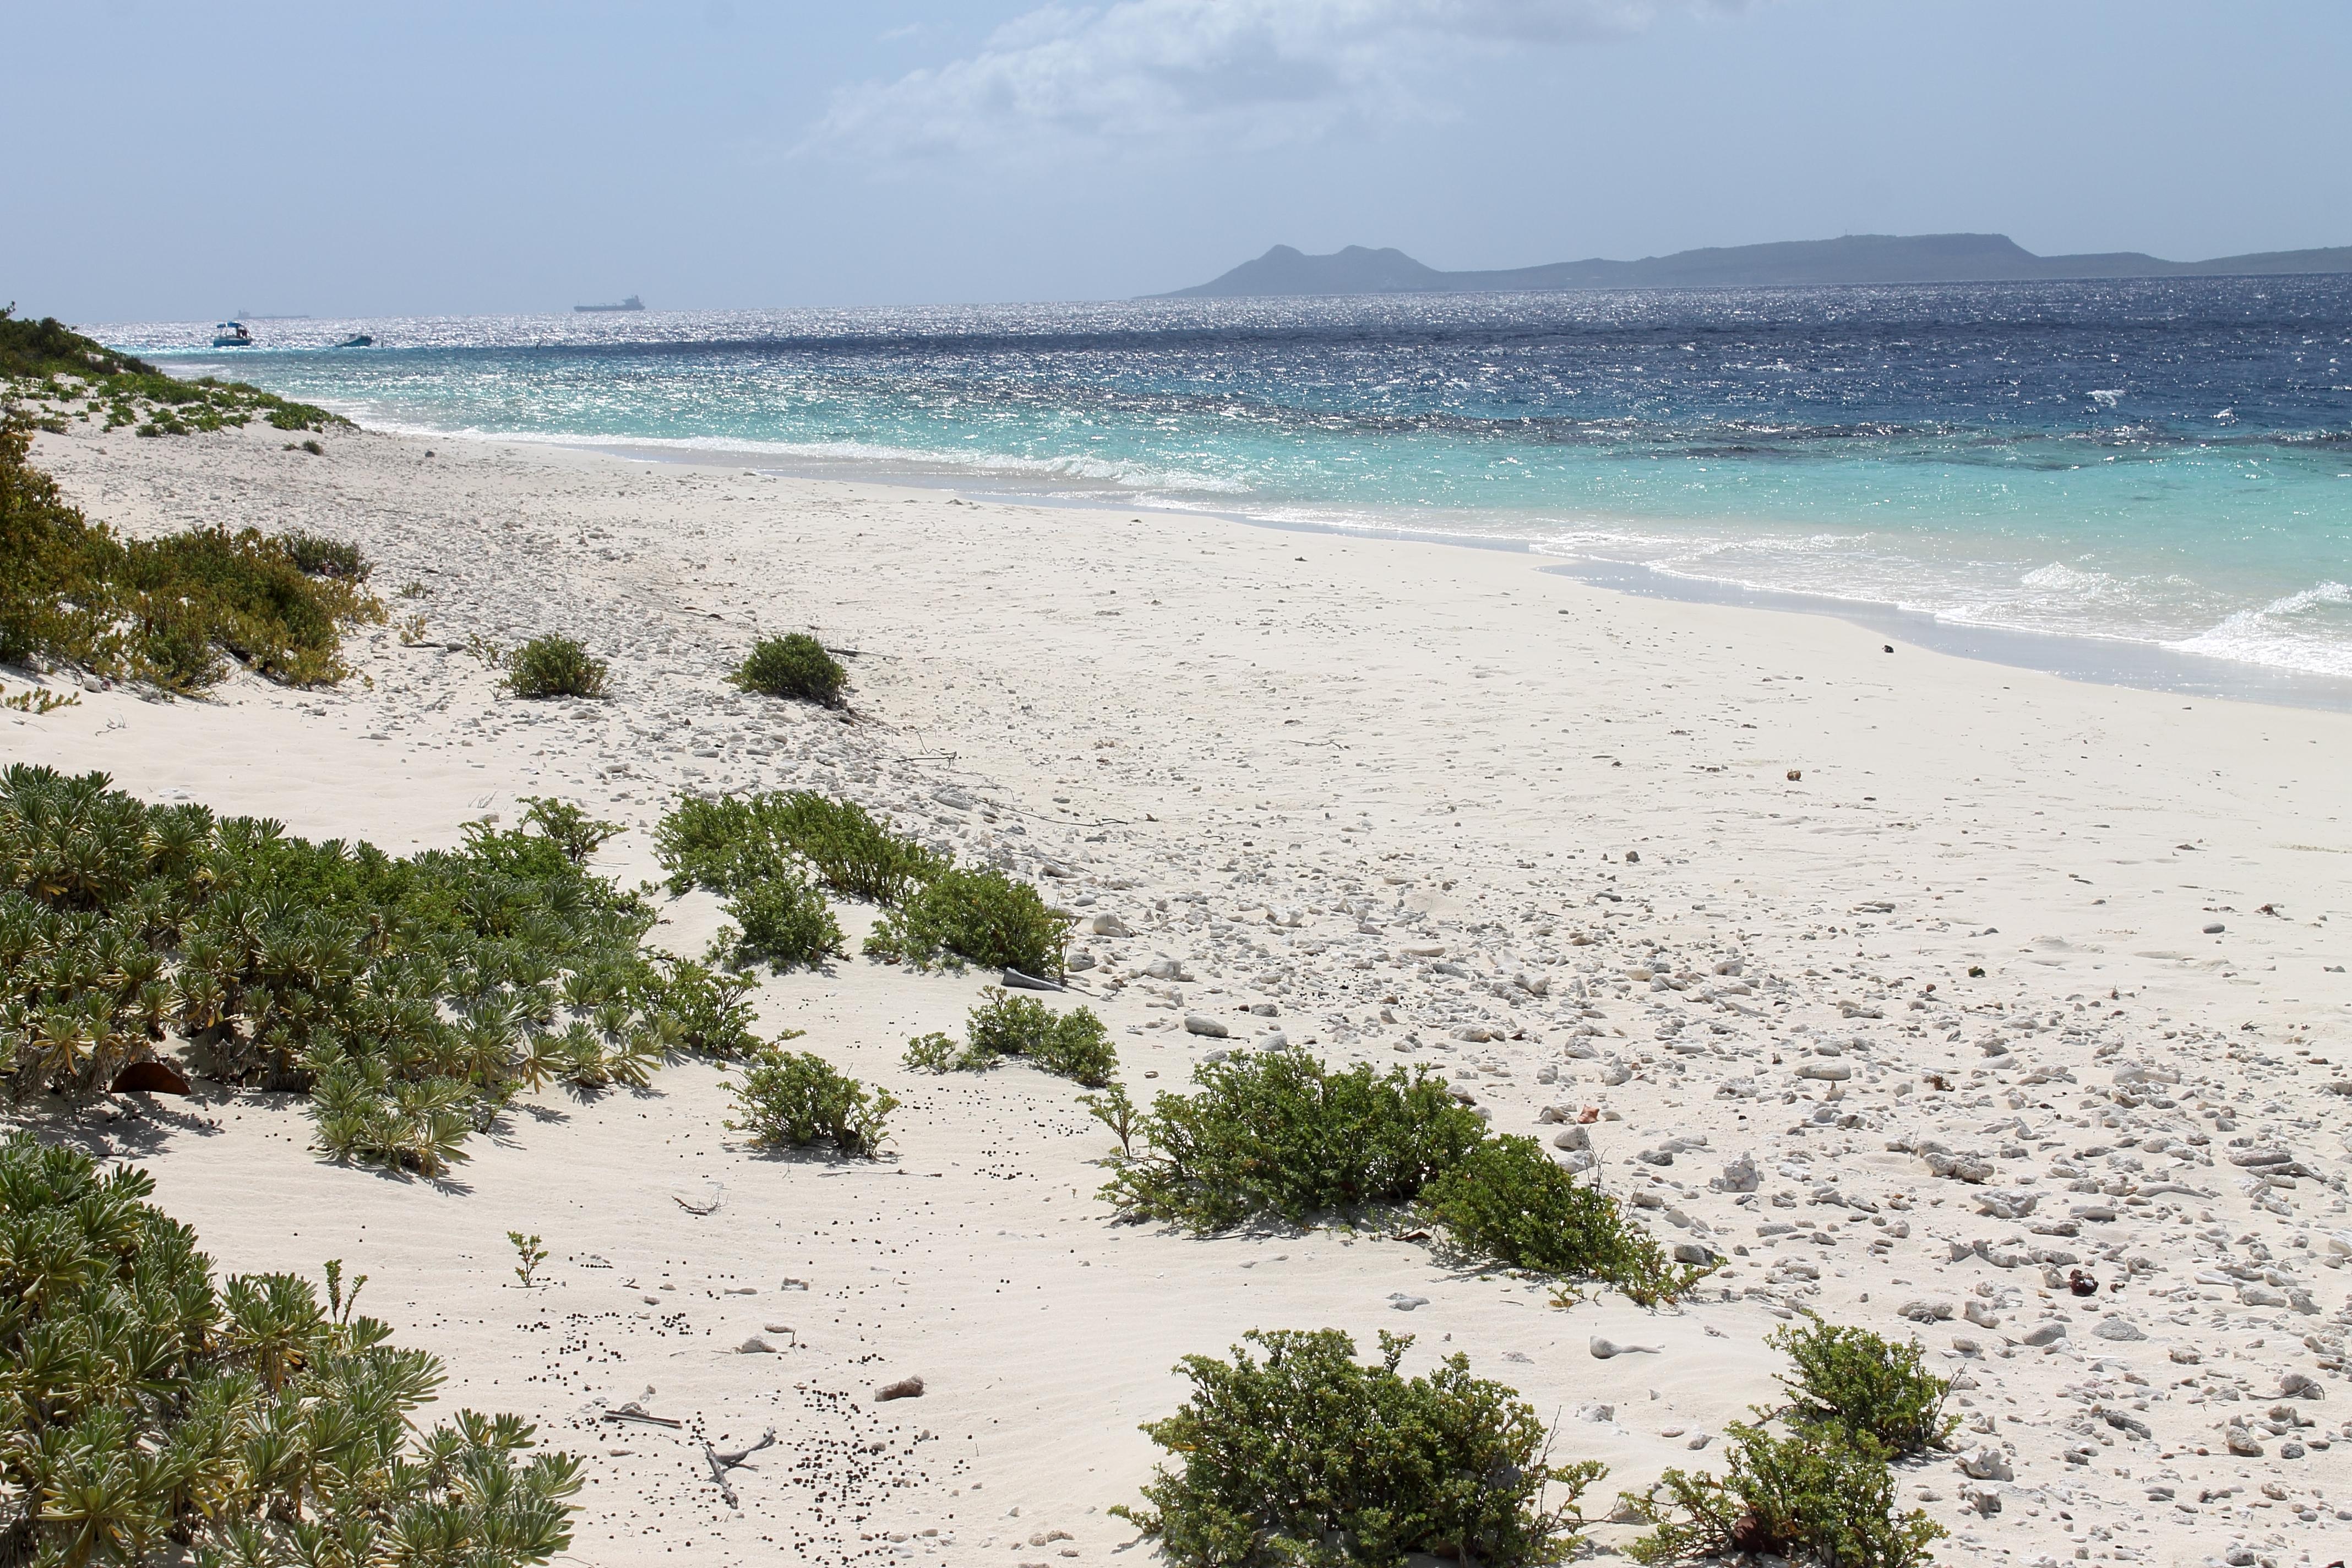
{"type": "Point", "coordinates": [729, 844]}
{"type": "Point", "coordinates": [413, 997]}
{"type": "Point", "coordinates": [1073, 1044]}
{"type": "Point", "coordinates": [1508, 1200]}
{"type": "Point", "coordinates": [1278, 1135]}
{"type": "Point", "coordinates": [1821, 1494]}
{"type": "Point", "coordinates": [554, 666]}
{"type": "Point", "coordinates": [973, 916]}
{"type": "Point", "coordinates": [782, 922]}
{"type": "Point", "coordinates": [795, 665]}
{"type": "Point", "coordinates": [156, 1417]}
{"type": "Point", "coordinates": [319, 556]}
{"type": "Point", "coordinates": [1854, 1378]}
{"type": "Point", "coordinates": [935, 913]}
{"type": "Point", "coordinates": [795, 1099]}
{"type": "Point", "coordinates": [1308, 1457]}
{"type": "Point", "coordinates": [1115, 1110]}
{"type": "Point", "coordinates": [247, 594]}
{"type": "Point", "coordinates": [160, 610]}
{"type": "Point", "coordinates": [574, 832]}
{"type": "Point", "coordinates": [1823, 1491]}
{"type": "Point", "coordinates": [701, 1011]}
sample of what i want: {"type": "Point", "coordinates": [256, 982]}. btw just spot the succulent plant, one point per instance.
{"type": "Point", "coordinates": [412, 997]}
{"type": "Point", "coordinates": [154, 1416]}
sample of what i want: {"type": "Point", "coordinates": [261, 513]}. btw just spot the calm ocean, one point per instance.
{"type": "Point", "coordinates": [2165, 464]}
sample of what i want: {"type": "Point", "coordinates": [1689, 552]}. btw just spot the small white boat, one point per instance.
{"type": "Point", "coordinates": [232, 335]}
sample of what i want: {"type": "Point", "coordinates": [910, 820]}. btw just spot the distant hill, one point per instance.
{"type": "Point", "coordinates": [1855, 258]}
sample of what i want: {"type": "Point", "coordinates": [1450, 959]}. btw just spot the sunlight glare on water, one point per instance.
{"type": "Point", "coordinates": [2163, 462]}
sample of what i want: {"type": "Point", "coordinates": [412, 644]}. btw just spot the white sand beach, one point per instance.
{"type": "Point", "coordinates": [1723, 876]}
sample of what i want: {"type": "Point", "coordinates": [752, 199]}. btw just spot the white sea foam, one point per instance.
{"type": "Point", "coordinates": [2059, 581]}
{"type": "Point", "coordinates": [876, 458]}
{"type": "Point", "coordinates": [2310, 631]}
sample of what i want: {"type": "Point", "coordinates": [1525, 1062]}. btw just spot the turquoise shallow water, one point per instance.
{"type": "Point", "coordinates": [2165, 464]}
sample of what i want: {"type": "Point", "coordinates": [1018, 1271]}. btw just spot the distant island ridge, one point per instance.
{"type": "Point", "coordinates": [1853, 259]}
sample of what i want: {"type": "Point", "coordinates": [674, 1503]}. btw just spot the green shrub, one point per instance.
{"type": "Point", "coordinates": [729, 844]}
{"type": "Point", "coordinates": [1858, 1379]}
{"type": "Point", "coordinates": [784, 923]}
{"type": "Point", "coordinates": [1308, 1457]}
{"type": "Point", "coordinates": [1508, 1200]}
{"type": "Point", "coordinates": [554, 666]}
{"type": "Point", "coordinates": [691, 1007]}
{"type": "Point", "coordinates": [936, 912]}
{"type": "Point", "coordinates": [1112, 1107]}
{"type": "Point", "coordinates": [247, 594]}
{"type": "Point", "coordinates": [1821, 1494]}
{"type": "Point", "coordinates": [794, 1098]}
{"type": "Point", "coordinates": [411, 997]}
{"type": "Point", "coordinates": [1278, 1134]}
{"type": "Point", "coordinates": [853, 853]}
{"type": "Point", "coordinates": [1824, 1491]}
{"type": "Point", "coordinates": [1073, 1044]}
{"type": "Point", "coordinates": [936, 1052]}
{"type": "Point", "coordinates": [160, 610]}
{"type": "Point", "coordinates": [977, 916]}
{"type": "Point", "coordinates": [153, 1417]}
{"type": "Point", "coordinates": [319, 556]}
{"type": "Point", "coordinates": [576, 833]}
{"type": "Point", "coordinates": [795, 665]}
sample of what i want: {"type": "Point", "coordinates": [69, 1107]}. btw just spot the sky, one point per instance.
{"type": "Point", "coordinates": [184, 160]}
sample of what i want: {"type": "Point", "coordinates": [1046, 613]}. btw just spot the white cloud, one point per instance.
{"type": "Point", "coordinates": [1247, 72]}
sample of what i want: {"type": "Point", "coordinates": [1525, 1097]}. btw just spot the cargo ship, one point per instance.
{"type": "Point", "coordinates": [630, 303]}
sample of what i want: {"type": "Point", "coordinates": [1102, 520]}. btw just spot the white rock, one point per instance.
{"type": "Point", "coordinates": [1603, 1349]}
{"type": "Point", "coordinates": [2006, 1204]}
{"type": "Point", "coordinates": [1986, 1464]}
{"type": "Point", "coordinates": [1201, 1024]}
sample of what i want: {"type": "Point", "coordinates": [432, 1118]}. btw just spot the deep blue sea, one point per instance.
{"type": "Point", "coordinates": [2165, 463]}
